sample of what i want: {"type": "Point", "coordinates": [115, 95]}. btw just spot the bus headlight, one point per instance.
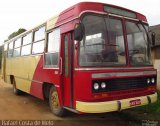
{"type": "Point", "coordinates": [153, 80]}
{"type": "Point", "coordinates": [96, 86]}
{"type": "Point", "coordinates": [103, 85]}
{"type": "Point", "coordinates": [148, 81]}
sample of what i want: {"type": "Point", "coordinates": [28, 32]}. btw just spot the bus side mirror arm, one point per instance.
{"type": "Point", "coordinates": [79, 32]}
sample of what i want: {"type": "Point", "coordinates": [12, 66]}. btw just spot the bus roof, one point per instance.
{"type": "Point", "coordinates": [75, 11]}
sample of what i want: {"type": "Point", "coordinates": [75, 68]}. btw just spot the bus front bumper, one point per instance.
{"type": "Point", "coordinates": [117, 105]}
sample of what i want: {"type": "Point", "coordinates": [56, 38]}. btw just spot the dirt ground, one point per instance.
{"type": "Point", "coordinates": [27, 107]}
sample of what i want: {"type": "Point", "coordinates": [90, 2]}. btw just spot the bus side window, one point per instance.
{"type": "Point", "coordinates": [17, 45]}
{"type": "Point", "coordinates": [26, 48]}
{"type": "Point", "coordinates": [38, 44]}
{"type": "Point", "coordinates": [10, 50]}
{"type": "Point", "coordinates": [66, 54]}
{"type": "Point", "coordinates": [5, 47]}
{"type": "Point", "coordinates": [51, 57]}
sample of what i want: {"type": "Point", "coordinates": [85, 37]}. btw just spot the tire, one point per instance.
{"type": "Point", "coordinates": [54, 103]}
{"type": "Point", "coordinates": [15, 90]}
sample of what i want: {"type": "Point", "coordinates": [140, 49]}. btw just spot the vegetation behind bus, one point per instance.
{"type": "Point", "coordinates": [12, 35]}
{"type": "Point", "coordinates": [147, 112]}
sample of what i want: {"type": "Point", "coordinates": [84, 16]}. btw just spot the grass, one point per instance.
{"type": "Point", "coordinates": [152, 108]}
{"type": "Point", "coordinates": [147, 112]}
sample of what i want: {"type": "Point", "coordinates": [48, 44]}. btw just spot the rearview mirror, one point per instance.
{"type": "Point", "coordinates": [79, 32]}
{"type": "Point", "coordinates": [153, 36]}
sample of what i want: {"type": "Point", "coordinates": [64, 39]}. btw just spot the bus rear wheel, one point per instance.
{"type": "Point", "coordinates": [54, 103]}
{"type": "Point", "coordinates": [15, 90]}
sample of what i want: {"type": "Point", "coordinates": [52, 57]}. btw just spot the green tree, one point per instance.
{"type": "Point", "coordinates": [14, 34]}
{"type": "Point", "coordinates": [21, 30]}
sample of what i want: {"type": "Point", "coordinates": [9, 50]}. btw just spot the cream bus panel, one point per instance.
{"type": "Point", "coordinates": [23, 84]}
{"type": "Point", "coordinates": [23, 69]}
{"type": "Point", "coordinates": [52, 22]}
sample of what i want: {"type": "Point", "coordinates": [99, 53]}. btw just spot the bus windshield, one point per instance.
{"type": "Point", "coordinates": [138, 45]}
{"type": "Point", "coordinates": [103, 42]}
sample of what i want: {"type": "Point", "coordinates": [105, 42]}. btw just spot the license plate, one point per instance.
{"type": "Point", "coordinates": [135, 102]}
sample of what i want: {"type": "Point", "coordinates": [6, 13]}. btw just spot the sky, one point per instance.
{"type": "Point", "coordinates": [27, 14]}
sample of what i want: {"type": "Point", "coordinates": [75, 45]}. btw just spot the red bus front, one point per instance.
{"type": "Point", "coordinates": [113, 68]}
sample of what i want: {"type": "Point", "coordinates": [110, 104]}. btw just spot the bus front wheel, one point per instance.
{"type": "Point", "coordinates": [54, 103]}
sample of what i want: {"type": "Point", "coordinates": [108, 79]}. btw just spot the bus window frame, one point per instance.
{"type": "Point", "coordinates": [5, 47]}
{"type": "Point", "coordinates": [135, 21]}
{"type": "Point", "coordinates": [19, 52]}
{"type": "Point", "coordinates": [21, 38]}
{"type": "Point", "coordinates": [31, 32]}
{"type": "Point", "coordinates": [124, 36]}
{"type": "Point", "coordinates": [40, 40]}
{"type": "Point", "coordinates": [15, 42]}
{"type": "Point", "coordinates": [11, 49]}
{"type": "Point", "coordinates": [51, 52]}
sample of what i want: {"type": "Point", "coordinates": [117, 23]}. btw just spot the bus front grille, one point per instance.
{"type": "Point", "coordinates": [118, 84]}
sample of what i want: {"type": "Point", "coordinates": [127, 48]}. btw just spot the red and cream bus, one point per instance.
{"type": "Point", "coordinates": [91, 58]}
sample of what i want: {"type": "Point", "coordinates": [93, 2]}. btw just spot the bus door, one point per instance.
{"type": "Point", "coordinates": [67, 69]}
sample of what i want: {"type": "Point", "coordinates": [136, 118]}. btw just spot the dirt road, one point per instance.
{"type": "Point", "coordinates": [27, 107]}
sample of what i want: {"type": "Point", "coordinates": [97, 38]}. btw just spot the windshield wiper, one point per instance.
{"type": "Point", "coordinates": [148, 45]}
{"type": "Point", "coordinates": [145, 30]}
{"type": "Point", "coordinates": [134, 51]}
{"type": "Point", "coordinates": [112, 45]}
{"type": "Point", "coordinates": [102, 44]}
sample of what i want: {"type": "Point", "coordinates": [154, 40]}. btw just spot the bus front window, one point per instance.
{"type": "Point", "coordinates": [138, 45]}
{"type": "Point", "coordinates": [103, 42]}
